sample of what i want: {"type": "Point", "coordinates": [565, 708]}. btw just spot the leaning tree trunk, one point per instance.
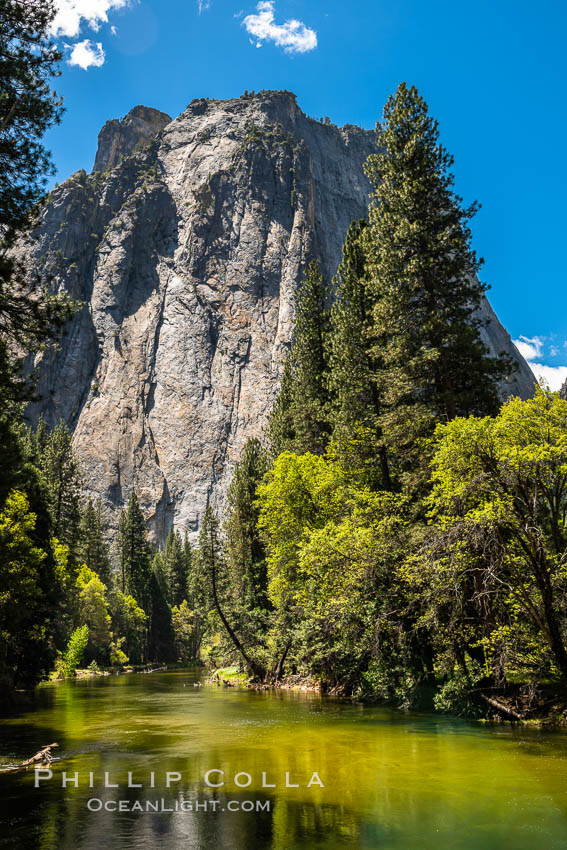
{"type": "Point", "coordinates": [253, 668]}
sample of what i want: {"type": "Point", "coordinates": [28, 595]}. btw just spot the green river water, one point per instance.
{"type": "Point", "coordinates": [391, 781]}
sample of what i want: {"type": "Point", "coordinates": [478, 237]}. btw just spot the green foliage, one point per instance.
{"type": "Point", "coordinates": [213, 566]}
{"type": "Point", "coordinates": [183, 630]}
{"type": "Point", "coordinates": [26, 570]}
{"type": "Point", "coordinates": [498, 504]}
{"type": "Point", "coordinates": [332, 551]}
{"type": "Point", "coordinates": [129, 622]}
{"type": "Point", "coordinates": [246, 556]}
{"type": "Point", "coordinates": [460, 694]}
{"type": "Point", "coordinates": [118, 657]}
{"type": "Point", "coordinates": [93, 611]}
{"type": "Point", "coordinates": [68, 662]}
{"type": "Point", "coordinates": [160, 633]}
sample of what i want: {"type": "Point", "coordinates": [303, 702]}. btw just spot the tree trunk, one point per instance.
{"type": "Point", "coordinates": [281, 662]}
{"type": "Point", "coordinates": [253, 668]}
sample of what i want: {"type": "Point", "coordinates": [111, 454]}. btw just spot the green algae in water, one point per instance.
{"type": "Point", "coordinates": [392, 781]}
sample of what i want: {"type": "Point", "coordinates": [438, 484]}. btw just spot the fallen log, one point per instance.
{"type": "Point", "coordinates": [503, 709]}
{"type": "Point", "coordinates": [42, 756]}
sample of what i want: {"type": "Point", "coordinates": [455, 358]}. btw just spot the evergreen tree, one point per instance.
{"type": "Point", "coordinates": [198, 595]}
{"type": "Point", "coordinates": [134, 552]}
{"type": "Point", "coordinates": [300, 418]}
{"type": "Point", "coordinates": [92, 549]}
{"type": "Point", "coordinates": [161, 636]}
{"type": "Point", "coordinates": [175, 567]}
{"type": "Point", "coordinates": [63, 485]}
{"type": "Point", "coordinates": [28, 107]}
{"type": "Point", "coordinates": [423, 274]}
{"type": "Point", "coordinates": [244, 547]}
{"type": "Point", "coordinates": [353, 362]}
{"type": "Point", "coordinates": [281, 432]}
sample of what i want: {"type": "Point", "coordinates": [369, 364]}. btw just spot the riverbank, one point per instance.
{"type": "Point", "coordinates": [517, 704]}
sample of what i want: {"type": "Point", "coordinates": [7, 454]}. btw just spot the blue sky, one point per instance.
{"type": "Point", "coordinates": [493, 73]}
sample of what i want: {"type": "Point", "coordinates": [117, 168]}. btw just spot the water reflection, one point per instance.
{"type": "Point", "coordinates": [390, 781]}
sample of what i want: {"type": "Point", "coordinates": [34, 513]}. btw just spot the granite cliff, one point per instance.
{"type": "Point", "coordinates": [186, 243]}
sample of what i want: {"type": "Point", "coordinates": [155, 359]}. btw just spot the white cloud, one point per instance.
{"type": "Point", "coordinates": [292, 35]}
{"type": "Point", "coordinates": [532, 349]}
{"type": "Point", "coordinates": [553, 376]}
{"type": "Point", "coordinates": [86, 54]}
{"type": "Point", "coordinates": [71, 14]}
{"type": "Point", "coordinates": [113, 30]}
{"type": "Point", "coordinates": [203, 5]}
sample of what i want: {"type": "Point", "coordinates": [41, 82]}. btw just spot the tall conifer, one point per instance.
{"type": "Point", "coordinates": [300, 418]}
{"type": "Point", "coordinates": [352, 363]}
{"type": "Point", "coordinates": [92, 548]}
{"type": "Point", "coordinates": [175, 567]}
{"type": "Point", "coordinates": [134, 552]}
{"type": "Point", "coordinates": [62, 477]}
{"type": "Point", "coordinates": [423, 273]}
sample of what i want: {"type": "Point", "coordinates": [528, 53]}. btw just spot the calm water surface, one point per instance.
{"type": "Point", "coordinates": [417, 782]}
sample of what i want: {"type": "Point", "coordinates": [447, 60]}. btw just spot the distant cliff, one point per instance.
{"type": "Point", "coordinates": [186, 244]}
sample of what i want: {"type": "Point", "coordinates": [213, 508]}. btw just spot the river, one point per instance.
{"type": "Point", "coordinates": [367, 777]}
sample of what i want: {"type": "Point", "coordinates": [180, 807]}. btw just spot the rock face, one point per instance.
{"type": "Point", "coordinates": [119, 139]}
{"type": "Point", "coordinates": [186, 255]}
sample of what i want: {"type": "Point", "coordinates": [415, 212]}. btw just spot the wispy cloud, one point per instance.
{"type": "Point", "coordinates": [71, 14]}
{"type": "Point", "coordinates": [292, 35]}
{"type": "Point", "coordinates": [533, 350]}
{"type": "Point", "coordinates": [86, 54]}
{"type": "Point", "coordinates": [203, 5]}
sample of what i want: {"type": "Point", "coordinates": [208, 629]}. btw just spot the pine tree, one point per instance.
{"type": "Point", "coordinates": [245, 550]}
{"type": "Point", "coordinates": [423, 274]}
{"type": "Point", "coordinates": [63, 481]}
{"type": "Point", "coordinates": [93, 551]}
{"type": "Point", "coordinates": [281, 431]}
{"type": "Point", "coordinates": [161, 636]}
{"type": "Point", "coordinates": [134, 553]}
{"type": "Point", "coordinates": [188, 558]}
{"type": "Point", "coordinates": [28, 107]}
{"type": "Point", "coordinates": [300, 418]}
{"type": "Point", "coordinates": [352, 364]}
{"type": "Point", "coordinates": [175, 567]}
{"type": "Point", "coordinates": [198, 595]}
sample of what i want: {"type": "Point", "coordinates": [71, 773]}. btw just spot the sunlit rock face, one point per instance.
{"type": "Point", "coordinates": [120, 138]}
{"type": "Point", "coordinates": [185, 245]}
